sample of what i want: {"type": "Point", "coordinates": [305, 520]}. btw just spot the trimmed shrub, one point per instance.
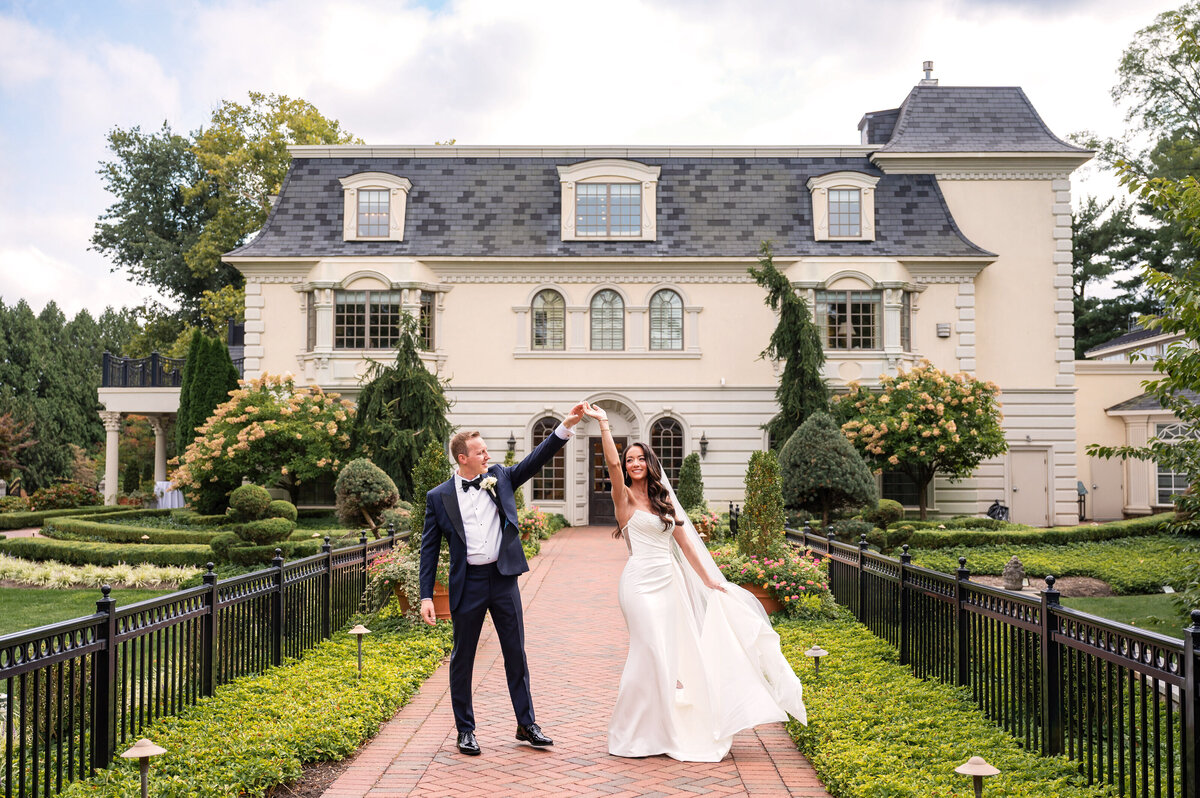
{"type": "Point", "coordinates": [221, 544]}
{"type": "Point", "coordinates": [761, 532]}
{"type": "Point", "coordinates": [925, 537]}
{"type": "Point", "coordinates": [876, 730]}
{"type": "Point", "coordinates": [63, 496]}
{"type": "Point", "coordinates": [74, 552]}
{"type": "Point", "coordinates": [263, 555]}
{"type": "Point", "coordinates": [282, 509]}
{"type": "Point", "coordinates": [249, 502]}
{"type": "Point", "coordinates": [131, 480]}
{"type": "Point", "coordinates": [13, 504]}
{"type": "Point", "coordinates": [885, 513]}
{"type": "Point", "coordinates": [822, 472]}
{"type": "Point", "coordinates": [400, 517]}
{"type": "Point", "coordinates": [432, 470]}
{"type": "Point", "coordinates": [850, 530]}
{"type": "Point", "coordinates": [193, 518]}
{"type": "Point", "coordinates": [71, 528]}
{"type": "Point", "coordinates": [690, 490]}
{"type": "Point", "coordinates": [30, 519]}
{"type": "Point", "coordinates": [266, 531]}
{"type": "Point", "coordinates": [363, 492]}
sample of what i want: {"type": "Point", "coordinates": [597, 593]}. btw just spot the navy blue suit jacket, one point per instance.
{"type": "Point", "coordinates": [444, 519]}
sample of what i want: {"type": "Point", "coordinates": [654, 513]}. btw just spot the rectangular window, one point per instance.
{"type": "Point", "coordinates": [384, 320]}
{"type": "Point", "coordinates": [373, 213]}
{"type": "Point", "coordinates": [906, 321]}
{"type": "Point", "coordinates": [310, 301]}
{"type": "Point", "coordinates": [608, 209]}
{"type": "Point", "coordinates": [845, 212]}
{"type": "Point", "coordinates": [850, 319]}
{"type": "Point", "coordinates": [899, 487]}
{"type": "Point", "coordinates": [350, 320]}
{"type": "Point", "coordinates": [425, 321]}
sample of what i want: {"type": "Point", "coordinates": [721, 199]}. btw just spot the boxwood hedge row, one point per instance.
{"type": "Point", "coordinates": [108, 528]}
{"type": "Point", "coordinates": [29, 519]}
{"type": "Point", "coordinates": [875, 730]}
{"type": "Point", "coordinates": [78, 552]}
{"type": "Point", "coordinates": [932, 538]}
{"type": "Point", "coordinates": [257, 732]}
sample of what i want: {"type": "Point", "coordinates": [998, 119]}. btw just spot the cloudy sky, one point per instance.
{"type": "Point", "coordinates": [499, 72]}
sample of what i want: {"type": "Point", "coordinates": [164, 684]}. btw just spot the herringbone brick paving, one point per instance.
{"type": "Point", "coordinates": [576, 645]}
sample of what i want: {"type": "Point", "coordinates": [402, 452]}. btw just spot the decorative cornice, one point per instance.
{"type": "Point", "coordinates": [579, 152]}
{"type": "Point", "coordinates": [595, 278]}
{"type": "Point", "coordinates": [289, 279]}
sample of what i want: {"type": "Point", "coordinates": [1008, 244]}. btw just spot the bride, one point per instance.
{"type": "Point", "coordinates": [704, 662]}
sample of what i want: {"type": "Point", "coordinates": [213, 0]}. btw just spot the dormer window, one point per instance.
{"type": "Point", "coordinates": [843, 206]}
{"type": "Point", "coordinates": [609, 199]}
{"type": "Point", "coordinates": [374, 206]}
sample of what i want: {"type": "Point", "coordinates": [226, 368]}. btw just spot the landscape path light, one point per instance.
{"type": "Point", "coordinates": [142, 750]}
{"type": "Point", "coordinates": [358, 631]}
{"type": "Point", "coordinates": [977, 769]}
{"type": "Point", "coordinates": [816, 652]}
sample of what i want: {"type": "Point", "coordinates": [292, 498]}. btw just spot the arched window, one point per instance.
{"type": "Point", "coordinates": [666, 438]}
{"type": "Point", "coordinates": [547, 485]}
{"type": "Point", "coordinates": [549, 321]}
{"type": "Point", "coordinates": [666, 320]}
{"type": "Point", "coordinates": [608, 321]}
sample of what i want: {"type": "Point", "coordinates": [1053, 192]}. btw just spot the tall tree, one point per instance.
{"type": "Point", "coordinates": [185, 421]}
{"type": "Point", "coordinates": [796, 340]}
{"type": "Point", "coordinates": [401, 411]}
{"type": "Point", "coordinates": [1105, 246]}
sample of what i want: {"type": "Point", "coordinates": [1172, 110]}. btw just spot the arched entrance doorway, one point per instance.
{"type": "Point", "coordinates": [626, 428]}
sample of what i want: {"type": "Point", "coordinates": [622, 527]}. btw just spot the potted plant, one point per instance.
{"type": "Point", "coordinates": [399, 570]}
{"type": "Point", "coordinates": [791, 581]}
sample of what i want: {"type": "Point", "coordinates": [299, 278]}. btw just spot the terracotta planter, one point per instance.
{"type": "Point", "coordinates": [765, 598]}
{"type": "Point", "coordinates": [441, 600]}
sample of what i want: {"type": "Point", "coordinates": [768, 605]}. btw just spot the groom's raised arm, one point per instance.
{"type": "Point", "coordinates": [541, 454]}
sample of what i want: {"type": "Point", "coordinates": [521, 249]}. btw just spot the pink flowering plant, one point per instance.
{"type": "Point", "coordinates": [268, 429]}
{"type": "Point", "coordinates": [400, 570]}
{"type": "Point", "coordinates": [795, 578]}
{"type": "Point", "coordinates": [533, 523]}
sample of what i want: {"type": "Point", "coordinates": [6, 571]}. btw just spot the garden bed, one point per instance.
{"type": "Point", "coordinates": [21, 520]}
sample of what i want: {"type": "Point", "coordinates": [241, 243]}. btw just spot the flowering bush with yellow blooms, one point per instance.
{"type": "Point", "coordinates": [924, 422]}
{"type": "Point", "coordinates": [268, 431]}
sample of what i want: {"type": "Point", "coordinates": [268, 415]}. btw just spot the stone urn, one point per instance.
{"type": "Point", "coordinates": [1014, 574]}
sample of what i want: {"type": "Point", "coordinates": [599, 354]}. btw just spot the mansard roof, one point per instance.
{"type": "Point", "coordinates": [971, 119]}
{"type": "Point", "coordinates": [507, 203]}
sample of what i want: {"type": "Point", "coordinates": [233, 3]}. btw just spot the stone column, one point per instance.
{"type": "Point", "coordinates": [159, 425]}
{"type": "Point", "coordinates": [112, 465]}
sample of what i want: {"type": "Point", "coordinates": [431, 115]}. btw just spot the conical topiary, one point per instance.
{"type": "Point", "coordinates": [690, 490]}
{"type": "Point", "coordinates": [822, 471]}
{"type": "Point", "coordinates": [761, 527]}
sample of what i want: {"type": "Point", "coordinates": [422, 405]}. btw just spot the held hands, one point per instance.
{"type": "Point", "coordinates": [596, 412]}
{"type": "Point", "coordinates": [577, 413]}
{"type": "Point", "coordinates": [427, 613]}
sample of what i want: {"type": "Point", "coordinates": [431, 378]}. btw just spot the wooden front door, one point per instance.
{"type": "Point", "coordinates": [600, 506]}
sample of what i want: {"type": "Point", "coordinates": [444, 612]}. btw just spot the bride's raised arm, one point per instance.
{"type": "Point", "coordinates": [612, 459]}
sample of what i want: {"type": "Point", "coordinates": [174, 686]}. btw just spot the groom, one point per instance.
{"type": "Point", "coordinates": [476, 512]}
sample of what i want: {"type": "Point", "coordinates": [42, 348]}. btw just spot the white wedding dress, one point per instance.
{"type": "Point", "coordinates": [703, 664]}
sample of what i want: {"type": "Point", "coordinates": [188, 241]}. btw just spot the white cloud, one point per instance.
{"type": "Point", "coordinates": [28, 272]}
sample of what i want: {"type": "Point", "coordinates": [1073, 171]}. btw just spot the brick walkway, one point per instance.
{"type": "Point", "coordinates": [576, 644]}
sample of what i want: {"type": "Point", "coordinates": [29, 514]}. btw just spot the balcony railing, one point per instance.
{"type": "Point", "coordinates": [155, 371]}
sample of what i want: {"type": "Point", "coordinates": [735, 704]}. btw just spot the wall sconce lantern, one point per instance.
{"type": "Point", "coordinates": [703, 445]}
{"type": "Point", "coordinates": [512, 443]}
{"type": "Point", "coordinates": [943, 329]}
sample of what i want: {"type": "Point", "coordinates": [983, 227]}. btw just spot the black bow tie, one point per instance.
{"type": "Point", "coordinates": [471, 483]}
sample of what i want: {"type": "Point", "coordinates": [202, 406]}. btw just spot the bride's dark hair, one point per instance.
{"type": "Point", "coordinates": [660, 499]}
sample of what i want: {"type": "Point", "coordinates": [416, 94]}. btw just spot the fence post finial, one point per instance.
{"type": "Point", "coordinates": [1052, 675]}
{"type": "Point", "coordinates": [1191, 704]}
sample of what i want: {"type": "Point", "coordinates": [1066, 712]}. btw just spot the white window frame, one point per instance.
{"type": "Point", "coordinates": [397, 188]}
{"type": "Point", "coordinates": [820, 187]}
{"type": "Point", "coordinates": [610, 170]}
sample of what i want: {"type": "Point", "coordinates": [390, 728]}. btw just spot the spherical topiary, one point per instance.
{"type": "Point", "coordinates": [884, 514]}
{"type": "Point", "coordinates": [222, 543]}
{"type": "Point", "coordinates": [249, 502]}
{"type": "Point", "coordinates": [266, 531]}
{"type": "Point", "coordinates": [281, 509]}
{"type": "Point", "coordinates": [363, 492]}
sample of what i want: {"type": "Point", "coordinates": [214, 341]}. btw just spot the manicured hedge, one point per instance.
{"type": "Point", "coordinates": [108, 528]}
{"type": "Point", "coordinates": [1132, 566]}
{"type": "Point", "coordinates": [1059, 535]}
{"type": "Point", "coordinates": [875, 730]}
{"type": "Point", "coordinates": [255, 733]}
{"type": "Point", "coordinates": [28, 519]}
{"type": "Point", "coordinates": [76, 552]}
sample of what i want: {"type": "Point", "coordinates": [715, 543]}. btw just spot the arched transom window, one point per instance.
{"type": "Point", "coordinates": [666, 320]}
{"type": "Point", "coordinates": [549, 321]}
{"type": "Point", "coordinates": [548, 484]}
{"type": "Point", "coordinates": [666, 438]}
{"type": "Point", "coordinates": [608, 321]}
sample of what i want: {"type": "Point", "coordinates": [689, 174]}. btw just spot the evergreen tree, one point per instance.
{"type": "Point", "coordinates": [510, 459]}
{"type": "Point", "coordinates": [401, 411]}
{"type": "Point", "coordinates": [761, 532]}
{"type": "Point", "coordinates": [796, 340]}
{"type": "Point", "coordinates": [432, 470]}
{"type": "Point", "coordinates": [690, 491]}
{"type": "Point", "coordinates": [215, 376]}
{"type": "Point", "coordinates": [822, 472]}
{"type": "Point", "coordinates": [185, 423]}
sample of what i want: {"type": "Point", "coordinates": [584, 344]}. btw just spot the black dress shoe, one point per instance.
{"type": "Point", "coordinates": [532, 734]}
{"type": "Point", "coordinates": [467, 744]}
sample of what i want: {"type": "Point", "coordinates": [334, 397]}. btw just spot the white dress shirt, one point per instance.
{"type": "Point", "coordinates": [481, 516]}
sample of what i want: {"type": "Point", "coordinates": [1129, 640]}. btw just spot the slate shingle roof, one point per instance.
{"type": "Point", "coordinates": [509, 206]}
{"type": "Point", "coordinates": [1124, 340]}
{"type": "Point", "coordinates": [972, 119]}
{"type": "Point", "coordinates": [1148, 401]}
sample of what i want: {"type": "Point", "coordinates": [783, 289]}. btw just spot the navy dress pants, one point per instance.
{"type": "Point", "coordinates": [487, 590]}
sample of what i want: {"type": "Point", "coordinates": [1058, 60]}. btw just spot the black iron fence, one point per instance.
{"type": "Point", "coordinates": [154, 371]}
{"type": "Point", "coordinates": [1121, 701]}
{"type": "Point", "coordinates": [76, 692]}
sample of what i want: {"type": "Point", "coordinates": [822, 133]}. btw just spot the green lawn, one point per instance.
{"type": "Point", "coordinates": [26, 607]}
{"type": "Point", "coordinates": [1156, 613]}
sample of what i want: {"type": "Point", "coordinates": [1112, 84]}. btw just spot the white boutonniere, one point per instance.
{"type": "Point", "coordinates": [488, 484]}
